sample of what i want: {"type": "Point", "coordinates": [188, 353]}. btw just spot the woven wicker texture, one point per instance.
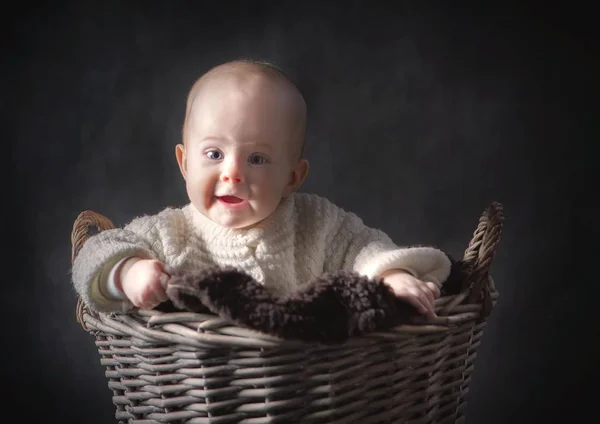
{"type": "Point", "coordinates": [196, 368]}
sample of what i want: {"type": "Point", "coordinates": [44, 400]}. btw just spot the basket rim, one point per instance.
{"type": "Point", "coordinates": [199, 330]}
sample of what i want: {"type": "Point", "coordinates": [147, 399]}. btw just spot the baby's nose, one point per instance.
{"type": "Point", "coordinates": [231, 179]}
{"type": "Point", "coordinates": [231, 174]}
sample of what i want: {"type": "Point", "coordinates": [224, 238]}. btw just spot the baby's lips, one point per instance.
{"type": "Point", "coordinates": [231, 199]}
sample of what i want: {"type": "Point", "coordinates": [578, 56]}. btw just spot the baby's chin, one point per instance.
{"type": "Point", "coordinates": [233, 222]}
{"type": "Point", "coordinates": [239, 225]}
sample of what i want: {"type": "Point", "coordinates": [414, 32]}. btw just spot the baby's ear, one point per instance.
{"type": "Point", "coordinates": [181, 159]}
{"type": "Point", "coordinates": [297, 177]}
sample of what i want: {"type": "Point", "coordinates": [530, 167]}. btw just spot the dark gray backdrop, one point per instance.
{"type": "Point", "coordinates": [419, 117]}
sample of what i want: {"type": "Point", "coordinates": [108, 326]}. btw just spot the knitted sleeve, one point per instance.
{"type": "Point", "coordinates": [353, 246]}
{"type": "Point", "coordinates": [143, 237]}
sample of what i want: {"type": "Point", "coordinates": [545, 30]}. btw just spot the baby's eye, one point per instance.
{"type": "Point", "coordinates": [214, 155]}
{"type": "Point", "coordinates": [257, 159]}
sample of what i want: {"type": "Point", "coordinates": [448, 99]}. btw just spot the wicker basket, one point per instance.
{"type": "Point", "coordinates": [197, 369]}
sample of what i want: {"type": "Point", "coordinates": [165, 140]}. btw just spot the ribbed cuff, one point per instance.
{"type": "Point", "coordinates": [111, 281]}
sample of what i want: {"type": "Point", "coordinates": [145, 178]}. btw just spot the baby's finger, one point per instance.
{"type": "Point", "coordinates": [154, 292]}
{"type": "Point", "coordinates": [149, 299]}
{"type": "Point", "coordinates": [164, 279]}
{"type": "Point", "coordinates": [424, 294]}
{"type": "Point", "coordinates": [427, 298]}
{"type": "Point", "coordinates": [137, 303]}
{"type": "Point", "coordinates": [418, 299]}
{"type": "Point", "coordinates": [430, 313]}
{"type": "Point", "coordinates": [169, 270]}
{"type": "Point", "coordinates": [161, 294]}
{"type": "Point", "coordinates": [434, 289]}
{"type": "Point", "coordinates": [148, 302]}
{"type": "Point", "coordinates": [429, 295]}
{"type": "Point", "coordinates": [421, 306]}
{"type": "Point", "coordinates": [144, 305]}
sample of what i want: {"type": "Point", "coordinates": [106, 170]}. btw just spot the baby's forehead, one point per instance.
{"type": "Point", "coordinates": [249, 83]}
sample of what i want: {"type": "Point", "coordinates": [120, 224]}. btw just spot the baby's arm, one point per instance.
{"type": "Point", "coordinates": [414, 273]}
{"type": "Point", "coordinates": [98, 268]}
{"type": "Point", "coordinates": [139, 281]}
{"type": "Point", "coordinates": [353, 246]}
{"type": "Point", "coordinates": [372, 253]}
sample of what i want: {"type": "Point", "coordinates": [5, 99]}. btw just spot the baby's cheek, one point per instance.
{"type": "Point", "coordinates": [272, 189]}
{"type": "Point", "coordinates": [204, 184]}
{"type": "Point", "coordinates": [258, 182]}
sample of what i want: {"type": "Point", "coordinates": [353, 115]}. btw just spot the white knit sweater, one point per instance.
{"type": "Point", "coordinates": [306, 236]}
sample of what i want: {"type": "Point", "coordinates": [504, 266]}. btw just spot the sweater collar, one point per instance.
{"type": "Point", "coordinates": [268, 232]}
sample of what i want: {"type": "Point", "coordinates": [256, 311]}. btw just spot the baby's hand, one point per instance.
{"type": "Point", "coordinates": [420, 294]}
{"type": "Point", "coordinates": [142, 281]}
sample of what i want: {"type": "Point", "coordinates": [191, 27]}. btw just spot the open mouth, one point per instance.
{"type": "Point", "coordinates": [230, 199]}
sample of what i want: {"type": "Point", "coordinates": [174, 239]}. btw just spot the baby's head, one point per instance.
{"type": "Point", "coordinates": [243, 137]}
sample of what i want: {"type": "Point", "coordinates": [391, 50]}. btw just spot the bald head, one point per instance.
{"type": "Point", "coordinates": [258, 86]}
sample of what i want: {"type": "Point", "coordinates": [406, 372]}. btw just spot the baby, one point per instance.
{"type": "Point", "coordinates": [241, 159]}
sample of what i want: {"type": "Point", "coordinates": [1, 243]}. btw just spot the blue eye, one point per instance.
{"type": "Point", "coordinates": [257, 159]}
{"type": "Point", "coordinates": [214, 155]}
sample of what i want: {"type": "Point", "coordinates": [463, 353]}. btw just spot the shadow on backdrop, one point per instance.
{"type": "Point", "coordinates": [417, 120]}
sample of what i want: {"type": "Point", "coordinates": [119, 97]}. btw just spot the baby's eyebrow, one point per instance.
{"type": "Point", "coordinates": [261, 146]}
{"type": "Point", "coordinates": [212, 139]}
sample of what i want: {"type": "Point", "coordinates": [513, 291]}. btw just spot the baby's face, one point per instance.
{"type": "Point", "coordinates": [239, 153]}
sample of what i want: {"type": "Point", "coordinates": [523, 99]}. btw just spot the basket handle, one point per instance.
{"type": "Point", "coordinates": [82, 226]}
{"type": "Point", "coordinates": [480, 252]}
{"type": "Point", "coordinates": [85, 221]}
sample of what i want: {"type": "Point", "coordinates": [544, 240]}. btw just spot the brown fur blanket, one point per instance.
{"type": "Point", "coordinates": [327, 310]}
